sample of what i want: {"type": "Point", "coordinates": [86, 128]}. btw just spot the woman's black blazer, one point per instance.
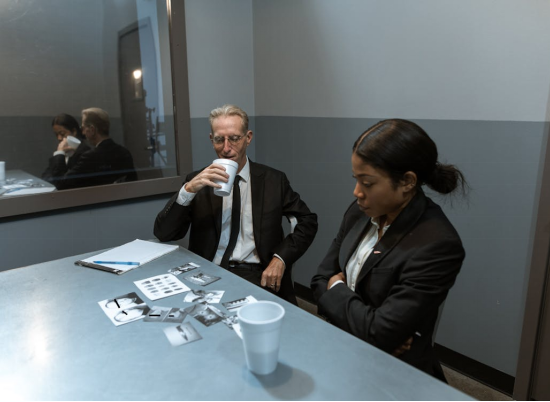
{"type": "Point", "coordinates": [402, 283]}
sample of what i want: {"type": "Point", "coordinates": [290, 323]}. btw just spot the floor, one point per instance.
{"type": "Point", "coordinates": [456, 380]}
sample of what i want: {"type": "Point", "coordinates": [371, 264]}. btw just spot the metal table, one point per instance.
{"type": "Point", "coordinates": [31, 184]}
{"type": "Point", "coordinates": [57, 344]}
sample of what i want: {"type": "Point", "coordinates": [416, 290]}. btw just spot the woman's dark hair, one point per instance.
{"type": "Point", "coordinates": [69, 122]}
{"type": "Point", "coordinates": [397, 146]}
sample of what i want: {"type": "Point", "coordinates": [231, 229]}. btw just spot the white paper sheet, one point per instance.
{"type": "Point", "coordinates": [160, 286]}
{"type": "Point", "coordinates": [138, 251]}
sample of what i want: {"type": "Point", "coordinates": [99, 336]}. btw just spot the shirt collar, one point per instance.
{"type": "Point", "coordinates": [245, 173]}
{"type": "Point", "coordinates": [376, 222]}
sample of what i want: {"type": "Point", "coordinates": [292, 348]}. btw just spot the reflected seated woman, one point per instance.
{"type": "Point", "coordinates": [63, 126]}
{"type": "Point", "coordinates": [396, 254]}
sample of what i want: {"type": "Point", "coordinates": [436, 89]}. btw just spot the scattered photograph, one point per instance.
{"type": "Point", "coordinates": [157, 314]}
{"type": "Point", "coordinates": [235, 305]}
{"type": "Point", "coordinates": [203, 296]}
{"type": "Point", "coordinates": [200, 278]}
{"type": "Point", "coordinates": [176, 315]}
{"type": "Point", "coordinates": [183, 268]}
{"type": "Point", "coordinates": [124, 309]}
{"type": "Point", "coordinates": [165, 314]}
{"type": "Point", "coordinates": [182, 334]}
{"type": "Point", "coordinates": [232, 321]}
{"type": "Point", "coordinates": [205, 313]}
{"type": "Point", "coordinates": [160, 286]}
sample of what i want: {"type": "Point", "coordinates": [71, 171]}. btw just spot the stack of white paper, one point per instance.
{"type": "Point", "coordinates": [127, 257]}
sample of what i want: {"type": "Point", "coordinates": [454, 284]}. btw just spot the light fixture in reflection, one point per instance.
{"type": "Point", "coordinates": [138, 84]}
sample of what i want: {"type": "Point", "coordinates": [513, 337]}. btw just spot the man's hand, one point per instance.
{"type": "Point", "coordinates": [206, 178]}
{"type": "Point", "coordinates": [273, 274]}
{"type": "Point", "coordinates": [403, 348]}
{"type": "Point", "coordinates": [338, 277]}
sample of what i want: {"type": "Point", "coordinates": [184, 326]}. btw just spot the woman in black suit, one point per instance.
{"type": "Point", "coordinates": [64, 125]}
{"type": "Point", "coordinates": [396, 254]}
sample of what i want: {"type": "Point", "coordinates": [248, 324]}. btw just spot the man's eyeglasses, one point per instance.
{"type": "Point", "coordinates": [233, 139]}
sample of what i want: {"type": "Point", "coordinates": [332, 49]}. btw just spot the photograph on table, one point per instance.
{"type": "Point", "coordinates": [205, 314]}
{"type": "Point", "coordinates": [161, 286]}
{"type": "Point", "coordinates": [182, 334]}
{"type": "Point", "coordinates": [200, 278]}
{"type": "Point", "coordinates": [203, 296]}
{"type": "Point", "coordinates": [176, 315]}
{"type": "Point", "coordinates": [124, 309]}
{"type": "Point", "coordinates": [232, 321]}
{"type": "Point", "coordinates": [165, 314]}
{"type": "Point", "coordinates": [183, 268]}
{"type": "Point", "coordinates": [235, 305]}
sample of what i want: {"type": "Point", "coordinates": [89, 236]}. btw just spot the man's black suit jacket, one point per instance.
{"type": "Point", "coordinates": [104, 164]}
{"type": "Point", "coordinates": [402, 283]}
{"type": "Point", "coordinates": [272, 199]}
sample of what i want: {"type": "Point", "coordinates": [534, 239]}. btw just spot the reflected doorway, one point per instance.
{"type": "Point", "coordinates": [139, 99]}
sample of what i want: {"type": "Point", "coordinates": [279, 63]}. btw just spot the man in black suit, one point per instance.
{"type": "Point", "coordinates": [255, 248]}
{"type": "Point", "coordinates": [106, 163]}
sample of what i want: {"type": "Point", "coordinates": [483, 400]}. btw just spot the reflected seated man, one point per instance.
{"type": "Point", "coordinates": [105, 163]}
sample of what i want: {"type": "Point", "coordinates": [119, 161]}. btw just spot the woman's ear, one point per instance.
{"type": "Point", "coordinates": [409, 181]}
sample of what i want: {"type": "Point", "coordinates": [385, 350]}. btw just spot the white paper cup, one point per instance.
{"type": "Point", "coordinates": [231, 169]}
{"type": "Point", "coordinates": [73, 141]}
{"type": "Point", "coordinates": [2, 172]}
{"type": "Point", "coordinates": [261, 329]}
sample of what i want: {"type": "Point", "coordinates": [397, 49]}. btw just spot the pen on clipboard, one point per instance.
{"type": "Point", "coordinates": [117, 262]}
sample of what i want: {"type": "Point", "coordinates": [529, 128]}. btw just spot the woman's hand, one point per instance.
{"type": "Point", "coordinates": [64, 145]}
{"type": "Point", "coordinates": [338, 277]}
{"type": "Point", "coordinates": [403, 348]}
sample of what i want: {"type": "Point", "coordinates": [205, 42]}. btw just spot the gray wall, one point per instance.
{"type": "Point", "coordinates": [475, 76]}
{"type": "Point", "coordinates": [221, 67]}
{"type": "Point", "coordinates": [36, 238]}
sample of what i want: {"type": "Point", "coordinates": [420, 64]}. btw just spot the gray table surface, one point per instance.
{"type": "Point", "coordinates": [18, 175]}
{"type": "Point", "coordinates": [57, 344]}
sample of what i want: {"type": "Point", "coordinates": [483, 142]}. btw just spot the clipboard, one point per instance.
{"type": "Point", "coordinates": [139, 251]}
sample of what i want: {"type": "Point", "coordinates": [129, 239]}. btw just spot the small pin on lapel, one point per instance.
{"type": "Point", "coordinates": [376, 252]}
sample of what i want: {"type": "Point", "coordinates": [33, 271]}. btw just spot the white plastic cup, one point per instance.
{"type": "Point", "coordinates": [73, 142]}
{"type": "Point", "coordinates": [261, 324]}
{"type": "Point", "coordinates": [2, 172]}
{"type": "Point", "coordinates": [231, 169]}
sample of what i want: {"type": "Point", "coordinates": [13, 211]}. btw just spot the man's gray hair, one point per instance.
{"type": "Point", "coordinates": [229, 110]}
{"type": "Point", "coordinates": [98, 118]}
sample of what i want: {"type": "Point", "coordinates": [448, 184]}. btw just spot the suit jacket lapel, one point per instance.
{"type": "Point", "coordinates": [402, 225]}
{"type": "Point", "coordinates": [217, 206]}
{"type": "Point", "coordinates": [257, 191]}
{"type": "Point", "coordinates": [351, 241]}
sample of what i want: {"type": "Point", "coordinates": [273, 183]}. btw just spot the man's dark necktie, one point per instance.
{"type": "Point", "coordinates": [235, 223]}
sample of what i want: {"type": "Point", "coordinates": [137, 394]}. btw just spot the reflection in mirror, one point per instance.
{"type": "Point", "coordinates": [61, 57]}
